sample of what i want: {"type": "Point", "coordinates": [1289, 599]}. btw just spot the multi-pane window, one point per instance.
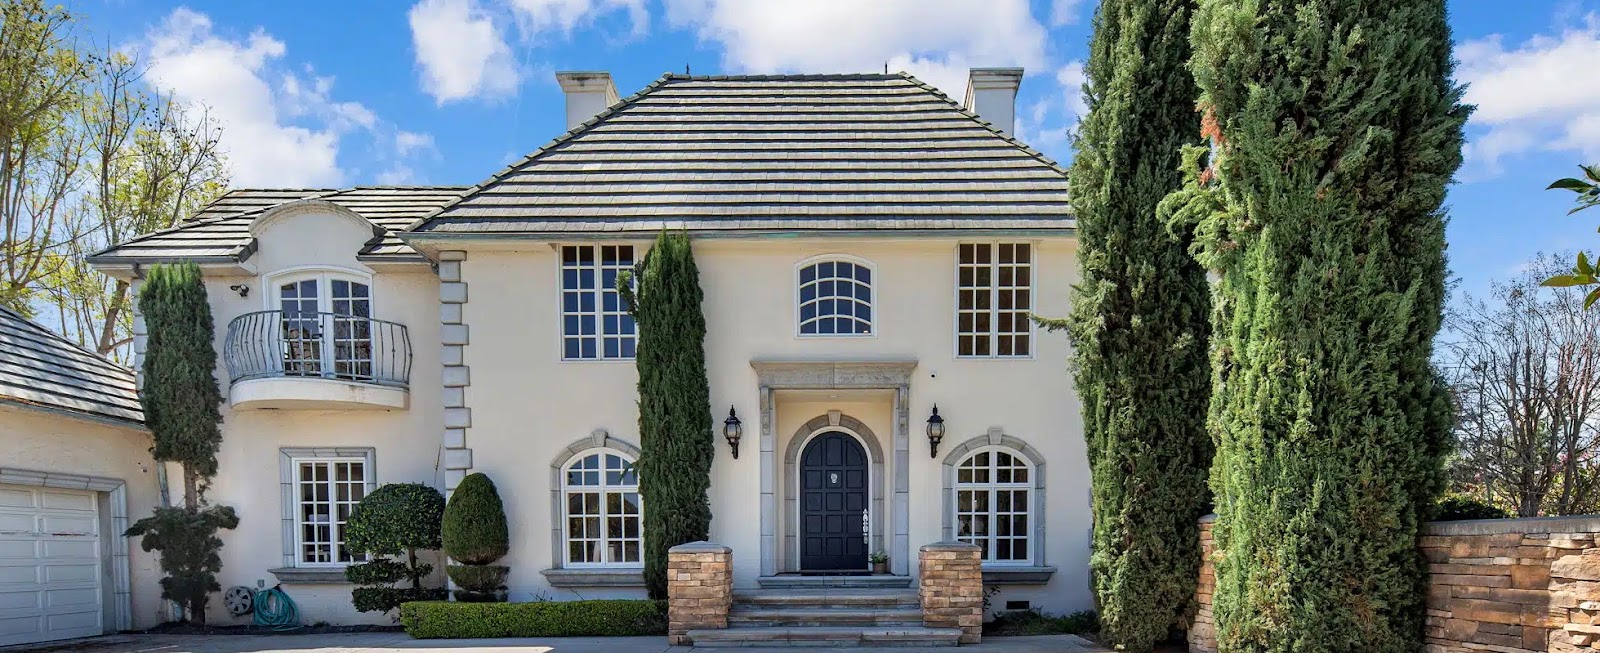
{"type": "Point", "coordinates": [994, 300]}
{"type": "Point", "coordinates": [603, 513]}
{"type": "Point", "coordinates": [835, 299]}
{"type": "Point", "coordinates": [594, 323]}
{"type": "Point", "coordinates": [325, 326]}
{"type": "Point", "coordinates": [993, 501]}
{"type": "Point", "coordinates": [326, 491]}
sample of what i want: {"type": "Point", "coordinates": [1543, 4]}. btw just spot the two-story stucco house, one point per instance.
{"type": "Point", "coordinates": [869, 249]}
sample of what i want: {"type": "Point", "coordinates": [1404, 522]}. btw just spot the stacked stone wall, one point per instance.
{"type": "Point", "coordinates": [699, 589]}
{"type": "Point", "coordinates": [1502, 585]}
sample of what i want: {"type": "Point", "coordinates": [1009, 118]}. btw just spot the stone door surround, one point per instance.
{"type": "Point", "coordinates": [774, 375]}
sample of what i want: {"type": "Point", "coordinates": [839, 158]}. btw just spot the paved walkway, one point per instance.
{"type": "Point", "coordinates": [401, 643]}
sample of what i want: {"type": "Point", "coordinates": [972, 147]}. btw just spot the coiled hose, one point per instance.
{"type": "Point", "coordinates": [274, 609]}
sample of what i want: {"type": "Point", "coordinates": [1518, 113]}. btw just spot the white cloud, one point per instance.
{"type": "Point", "coordinates": [1537, 95]}
{"type": "Point", "coordinates": [930, 38]}
{"type": "Point", "coordinates": [1064, 12]}
{"type": "Point", "coordinates": [409, 143]}
{"type": "Point", "coordinates": [264, 131]}
{"type": "Point", "coordinates": [461, 51]}
{"type": "Point", "coordinates": [281, 125]}
{"type": "Point", "coordinates": [538, 16]}
{"type": "Point", "coordinates": [1048, 123]}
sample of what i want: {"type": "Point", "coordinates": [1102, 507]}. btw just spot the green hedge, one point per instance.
{"type": "Point", "coordinates": [446, 620]}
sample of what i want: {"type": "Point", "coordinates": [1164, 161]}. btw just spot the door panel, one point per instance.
{"type": "Point", "coordinates": [833, 493]}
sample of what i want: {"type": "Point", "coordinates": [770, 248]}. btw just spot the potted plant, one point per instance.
{"type": "Point", "coordinates": [880, 562]}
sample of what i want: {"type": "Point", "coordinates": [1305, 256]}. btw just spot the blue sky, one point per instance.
{"type": "Point", "coordinates": [448, 91]}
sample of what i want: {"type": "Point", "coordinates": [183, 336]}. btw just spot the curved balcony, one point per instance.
{"type": "Point", "coordinates": [301, 360]}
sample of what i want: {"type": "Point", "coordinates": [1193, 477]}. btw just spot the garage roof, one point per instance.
{"type": "Point", "coordinates": [40, 368]}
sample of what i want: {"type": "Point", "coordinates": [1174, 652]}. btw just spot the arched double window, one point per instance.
{"type": "Point", "coordinates": [994, 502]}
{"type": "Point", "coordinates": [325, 324]}
{"type": "Point", "coordinates": [603, 513]}
{"type": "Point", "coordinates": [835, 297]}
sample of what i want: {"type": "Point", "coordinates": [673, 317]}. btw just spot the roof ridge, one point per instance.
{"type": "Point", "coordinates": [555, 142]}
{"type": "Point", "coordinates": [986, 124]}
{"type": "Point", "coordinates": [51, 335]}
{"type": "Point", "coordinates": [781, 77]}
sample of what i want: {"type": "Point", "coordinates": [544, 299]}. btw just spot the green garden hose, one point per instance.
{"type": "Point", "coordinates": [274, 609]}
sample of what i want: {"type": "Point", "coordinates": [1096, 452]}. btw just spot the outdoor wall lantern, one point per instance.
{"type": "Point", "coordinates": [935, 432]}
{"type": "Point", "coordinates": [732, 429]}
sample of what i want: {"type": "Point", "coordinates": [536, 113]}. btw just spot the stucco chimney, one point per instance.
{"type": "Point", "coordinates": [588, 92]}
{"type": "Point", "coordinates": [992, 94]}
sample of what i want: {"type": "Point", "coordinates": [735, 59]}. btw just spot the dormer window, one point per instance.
{"type": "Point", "coordinates": [835, 297]}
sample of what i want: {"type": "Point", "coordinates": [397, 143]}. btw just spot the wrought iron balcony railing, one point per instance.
{"type": "Point", "coordinates": [268, 344]}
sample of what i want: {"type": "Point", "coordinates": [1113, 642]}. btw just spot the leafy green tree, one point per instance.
{"type": "Point", "coordinates": [675, 425]}
{"type": "Point", "coordinates": [1139, 322]}
{"type": "Point", "coordinates": [89, 156]}
{"type": "Point", "coordinates": [475, 535]}
{"type": "Point", "coordinates": [396, 520]}
{"type": "Point", "coordinates": [1583, 273]}
{"type": "Point", "coordinates": [1336, 128]}
{"type": "Point", "coordinates": [180, 400]}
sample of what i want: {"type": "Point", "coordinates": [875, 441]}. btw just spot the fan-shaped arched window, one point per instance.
{"type": "Point", "coordinates": [835, 297]}
{"type": "Point", "coordinates": [603, 511]}
{"type": "Point", "coordinates": [994, 504]}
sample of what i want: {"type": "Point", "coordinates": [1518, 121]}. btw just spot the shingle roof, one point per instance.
{"type": "Point", "coordinates": [221, 230]}
{"type": "Point", "coordinates": [858, 151]}
{"type": "Point", "coordinates": [41, 368]}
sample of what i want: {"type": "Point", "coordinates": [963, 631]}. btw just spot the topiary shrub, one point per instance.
{"type": "Point", "coordinates": [475, 531]}
{"type": "Point", "coordinates": [1457, 507]}
{"type": "Point", "coordinates": [399, 519]}
{"type": "Point", "coordinates": [614, 618]}
{"type": "Point", "coordinates": [475, 534]}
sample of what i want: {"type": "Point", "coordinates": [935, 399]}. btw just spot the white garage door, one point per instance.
{"type": "Point", "coordinates": [49, 565]}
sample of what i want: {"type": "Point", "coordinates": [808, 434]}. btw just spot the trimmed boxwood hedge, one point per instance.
{"type": "Point", "coordinates": [447, 620]}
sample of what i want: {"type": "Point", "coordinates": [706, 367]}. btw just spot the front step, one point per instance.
{"type": "Point", "coordinates": [855, 597]}
{"type": "Point", "coordinates": [833, 636]}
{"type": "Point", "coordinates": [851, 616]}
{"type": "Point", "coordinates": [794, 581]}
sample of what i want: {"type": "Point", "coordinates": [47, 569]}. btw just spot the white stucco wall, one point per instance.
{"type": "Point", "coordinates": [406, 442]}
{"type": "Point", "coordinates": [36, 440]}
{"type": "Point", "coordinates": [528, 405]}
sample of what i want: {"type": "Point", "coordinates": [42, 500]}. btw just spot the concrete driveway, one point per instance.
{"type": "Point", "coordinates": [401, 643]}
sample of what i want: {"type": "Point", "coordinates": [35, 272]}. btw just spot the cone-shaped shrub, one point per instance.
{"type": "Point", "coordinates": [1139, 322]}
{"type": "Point", "coordinates": [1336, 128]}
{"type": "Point", "coordinates": [475, 530]}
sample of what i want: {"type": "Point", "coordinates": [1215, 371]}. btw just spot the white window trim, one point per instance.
{"type": "Point", "coordinates": [324, 275]}
{"type": "Point", "coordinates": [872, 296]}
{"type": "Point", "coordinates": [288, 470]}
{"type": "Point", "coordinates": [994, 301]}
{"type": "Point", "coordinates": [1033, 500]}
{"type": "Point", "coordinates": [565, 555]}
{"type": "Point", "coordinates": [639, 251]}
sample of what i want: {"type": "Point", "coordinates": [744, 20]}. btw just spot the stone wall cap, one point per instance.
{"type": "Point", "coordinates": [951, 546]}
{"type": "Point", "coordinates": [1572, 524]}
{"type": "Point", "coordinates": [700, 547]}
{"type": "Point", "coordinates": [1208, 519]}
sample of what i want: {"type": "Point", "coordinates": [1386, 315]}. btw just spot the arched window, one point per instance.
{"type": "Point", "coordinates": [835, 298]}
{"type": "Point", "coordinates": [325, 324]}
{"type": "Point", "coordinates": [603, 511]}
{"type": "Point", "coordinates": [994, 504]}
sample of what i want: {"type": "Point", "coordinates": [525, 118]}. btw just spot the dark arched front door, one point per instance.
{"type": "Point", "coordinates": [833, 504]}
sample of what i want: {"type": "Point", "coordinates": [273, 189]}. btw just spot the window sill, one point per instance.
{"type": "Point", "coordinates": [310, 575]}
{"type": "Point", "coordinates": [595, 577]}
{"type": "Point", "coordinates": [1016, 575]}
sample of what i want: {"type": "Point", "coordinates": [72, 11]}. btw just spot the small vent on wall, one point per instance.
{"type": "Point", "coordinates": [1017, 605]}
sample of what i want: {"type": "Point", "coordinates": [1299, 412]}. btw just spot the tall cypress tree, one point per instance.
{"type": "Point", "coordinates": [180, 396]}
{"type": "Point", "coordinates": [675, 426]}
{"type": "Point", "coordinates": [1139, 322]}
{"type": "Point", "coordinates": [1336, 128]}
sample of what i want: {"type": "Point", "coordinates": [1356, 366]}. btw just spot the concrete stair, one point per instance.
{"type": "Point", "coordinates": [826, 617]}
{"type": "Point", "coordinates": [796, 581]}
